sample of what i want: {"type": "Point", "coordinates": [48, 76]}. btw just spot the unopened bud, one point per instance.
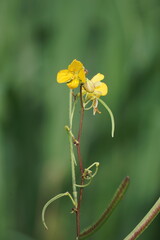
{"type": "Point", "coordinates": [89, 86]}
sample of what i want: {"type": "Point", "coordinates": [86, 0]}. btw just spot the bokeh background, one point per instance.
{"type": "Point", "coordinates": [118, 38]}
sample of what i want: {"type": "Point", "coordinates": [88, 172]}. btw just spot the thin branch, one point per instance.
{"type": "Point", "coordinates": [111, 115]}
{"type": "Point", "coordinates": [71, 149]}
{"type": "Point", "coordinates": [80, 132]}
{"type": "Point", "coordinates": [51, 201]}
{"type": "Point", "coordinates": [80, 164]}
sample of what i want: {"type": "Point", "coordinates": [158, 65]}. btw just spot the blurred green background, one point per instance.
{"type": "Point", "coordinates": [118, 38]}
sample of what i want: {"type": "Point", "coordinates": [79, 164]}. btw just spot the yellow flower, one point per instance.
{"type": "Point", "coordinates": [73, 76]}
{"type": "Point", "coordinates": [94, 89]}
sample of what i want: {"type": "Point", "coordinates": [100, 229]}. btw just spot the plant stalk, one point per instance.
{"type": "Point", "coordinates": [80, 164]}
{"type": "Point", "coordinates": [71, 150]}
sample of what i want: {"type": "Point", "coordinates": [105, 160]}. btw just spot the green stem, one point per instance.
{"type": "Point", "coordinates": [71, 149]}
{"type": "Point", "coordinates": [110, 113]}
{"type": "Point", "coordinates": [52, 200]}
{"type": "Point", "coordinates": [116, 199]}
{"type": "Point", "coordinates": [84, 185]}
{"type": "Point", "coordinates": [146, 221]}
{"type": "Point", "coordinates": [73, 137]}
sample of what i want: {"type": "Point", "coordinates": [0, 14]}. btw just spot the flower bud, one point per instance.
{"type": "Point", "coordinates": [89, 86]}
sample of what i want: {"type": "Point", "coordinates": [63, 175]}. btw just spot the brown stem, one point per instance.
{"type": "Point", "coordinates": [80, 164]}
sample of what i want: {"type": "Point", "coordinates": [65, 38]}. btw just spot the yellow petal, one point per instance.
{"type": "Point", "coordinates": [102, 88]}
{"type": "Point", "coordinates": [75, 66]}
{"type": "Point", "coordinates": [98, 77]}
{"type": "Point", "coordinates": [73, 84]}
{"type": "Point", "coordinates": [82, 75]}
{"type": "Point", "coordinates": [64, 76]}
